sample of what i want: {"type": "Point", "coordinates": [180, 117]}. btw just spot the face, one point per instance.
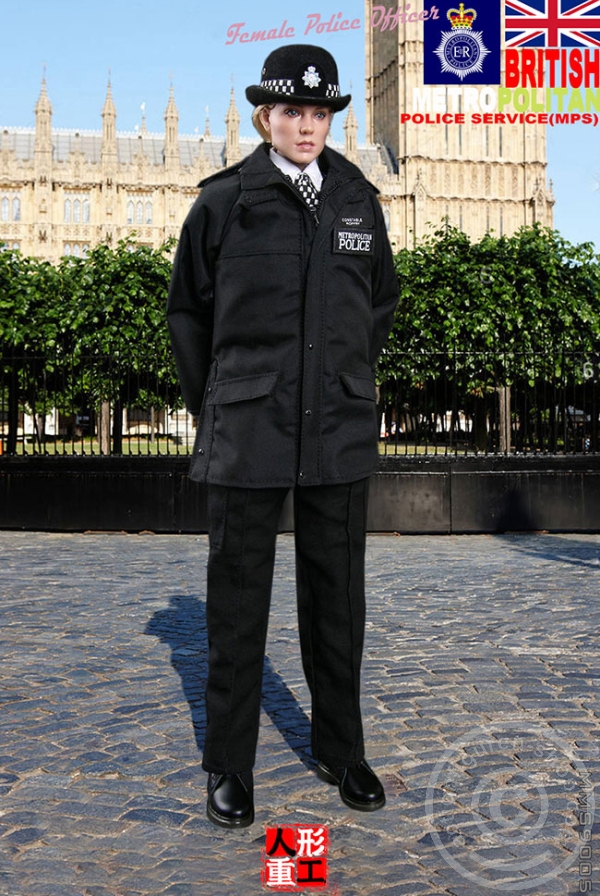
{"type": "Point", "coordinates": [298, 132]}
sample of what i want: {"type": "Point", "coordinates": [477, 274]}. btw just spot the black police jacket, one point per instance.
{"type": "Point", "coordinates": [277, 318]}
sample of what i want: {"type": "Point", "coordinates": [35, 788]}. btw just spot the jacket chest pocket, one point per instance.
{"type": "Point", "coordinates": [262, 225]}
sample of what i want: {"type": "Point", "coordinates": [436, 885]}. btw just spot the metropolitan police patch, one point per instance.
{"type": "Point", "coordinates": [353, 241]}
{"type": "Point", "coordinates": [457, 52]}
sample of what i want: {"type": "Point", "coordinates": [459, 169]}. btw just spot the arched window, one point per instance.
{"type": "Point", "coordinates": [67, 250]}
{"type": "Point", "coordinates": [76, 211]}
{"type": "Point", "coordinates": [4, 208]}
{"type": "Point", "coordinates": [130, 212]}
{"type": "Point", "coordinates": [16, 209]}
{"type": "Point", "coordinates": [148, 213]}
{"type": "Point", "coordinates": [77, 250]}
{"type": "Point", "coordinates": [86, 211]}
{"type": "Point", "coordinates": [85, 250]}
{"type": "Point", "coordinates": [67, 211]}
{"type": "Point", "coordinates": [139, 212]}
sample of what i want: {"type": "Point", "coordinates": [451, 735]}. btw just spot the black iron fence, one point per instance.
{"type": "Point", "coordinates": [434, 403]}
{"type": "Point", "coordinates": [90, 406]}
{"type": "Point", "coordinates": [492, 403]}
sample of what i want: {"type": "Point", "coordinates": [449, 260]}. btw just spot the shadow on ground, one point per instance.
{"type": "Point", "coordinates": [183, 627]}
{"type": "Point", "coordinates": [560, 548]}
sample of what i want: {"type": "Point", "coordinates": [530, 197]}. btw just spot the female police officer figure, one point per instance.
{"type": "Point", "coordinates": [282, 296]}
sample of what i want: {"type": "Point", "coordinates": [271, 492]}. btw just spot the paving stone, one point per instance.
{"type": "Point", "coordinates": [24, 836]}
{"type": "Point", "coordinates": [480, 650]}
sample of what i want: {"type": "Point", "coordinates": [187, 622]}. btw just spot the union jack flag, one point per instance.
{"type": "Point", "coordinates": [552, 23]}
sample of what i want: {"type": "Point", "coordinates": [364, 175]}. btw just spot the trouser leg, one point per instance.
{"type": "Point", "coordinates": [330, 524]}
{"type": "Point", "coordinates": [242, 537]}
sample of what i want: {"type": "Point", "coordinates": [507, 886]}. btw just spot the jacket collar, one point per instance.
{"type": "Point", "coordinates": [257, 170]}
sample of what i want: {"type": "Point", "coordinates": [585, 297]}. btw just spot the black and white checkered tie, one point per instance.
{"type": "Point", "coordinates": [307, 190]}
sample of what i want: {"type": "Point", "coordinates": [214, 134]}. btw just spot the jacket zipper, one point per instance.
{"type": "Point", "coordinates": [323, 196]}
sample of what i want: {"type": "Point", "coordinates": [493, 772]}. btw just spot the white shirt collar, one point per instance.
{"type": "Point", "coordinates": [287, 167]}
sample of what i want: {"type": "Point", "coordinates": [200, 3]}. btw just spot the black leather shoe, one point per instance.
{"type": "Point", "coordinates": [230, 803]}
{"type": "Point", "coordinates": [360, 788]}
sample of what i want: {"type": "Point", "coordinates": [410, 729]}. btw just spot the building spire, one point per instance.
{"type": "Point", "coordinates": [171, 110]}
{"type": "Point", "coordinates": [109, 127]}
{"type": "Point", "coordinates": [108, 108]}
{"type": "Point", "coordinates": [171, 153]}
{"type": "Point", "coordinates": [232, 138]}
{"type": "Point", "coordinates": [43, 119]}
{"type": "Point", "coordinates": [351, 130]}
{"type": "Point", "coordinates": [42, 152]}
{"type": "Point", "coordinates": [43, 105]}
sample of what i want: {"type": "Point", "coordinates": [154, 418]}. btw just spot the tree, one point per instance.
{"type": "Point", "coordinates": [484, 316]}
{"type": "Point", "coordinates": [29, 321]}
{"type": "Point", "coordinates": [115, 330]}
{"type": "Point", "coordinates": [90, 331]}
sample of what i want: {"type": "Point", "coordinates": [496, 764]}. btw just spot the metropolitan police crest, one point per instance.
{"type": "Point", "coordinates": [461, 50]}
{"type": "Point", "coordinates": [311, 77]}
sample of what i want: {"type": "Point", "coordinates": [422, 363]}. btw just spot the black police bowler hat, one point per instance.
{"type": "Point", "coordinates": [299, 73]}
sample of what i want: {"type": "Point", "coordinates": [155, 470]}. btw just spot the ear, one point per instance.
{"type": "Point", "coordinates": [264, 119]}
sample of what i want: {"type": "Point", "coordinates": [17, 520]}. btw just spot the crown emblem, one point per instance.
{"type": "Point", "coordinates": [461, 17]}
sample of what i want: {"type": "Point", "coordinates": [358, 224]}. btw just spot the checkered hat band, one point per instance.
{"type": "Point", "coordinates": [279, 85]}
{"type": "Point", "coordinates": [285, 85]}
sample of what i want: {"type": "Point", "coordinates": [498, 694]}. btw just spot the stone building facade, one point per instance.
{"type": "Point", "coordinates": [63, 191]}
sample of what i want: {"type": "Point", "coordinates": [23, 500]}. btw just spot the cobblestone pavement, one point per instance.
{"type": "Point", "coordinates": [481, 704]}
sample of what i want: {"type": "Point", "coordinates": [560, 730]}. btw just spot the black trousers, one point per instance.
{"type": "Point", "coordinates": [330, 524]}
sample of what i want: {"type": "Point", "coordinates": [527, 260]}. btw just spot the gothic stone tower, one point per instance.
{"type": "Point", "coordinates": [479, 177]}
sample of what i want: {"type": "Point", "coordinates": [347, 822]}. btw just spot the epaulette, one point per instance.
{"type": "Point", "coordinates": [233, 169]}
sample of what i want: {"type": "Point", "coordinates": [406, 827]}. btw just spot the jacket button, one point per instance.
{"type": "Point", "coordinates": [307, 413]}
{"type": "Point", "coordinates": [311, 346]}
{"type": "Point", "coordinates": [200, 450]}
{"type": "Point", "coordinates": [209, 389]}
{"type": "Point", "coordinates": [301, 475]}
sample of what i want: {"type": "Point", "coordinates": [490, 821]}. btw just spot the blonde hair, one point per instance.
{"type": "Point", "coordinates": [256, 120]}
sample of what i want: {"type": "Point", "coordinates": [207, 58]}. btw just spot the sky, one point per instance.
{"type": "Point", "coordinates": [147, 46]}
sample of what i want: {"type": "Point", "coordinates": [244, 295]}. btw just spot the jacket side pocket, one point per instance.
{"type": "Point", "coordinates": [243, 388]}
{"type": "Point", "coordinates": [359, 386]}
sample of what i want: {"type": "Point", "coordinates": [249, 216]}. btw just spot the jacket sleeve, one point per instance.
{"type": "Point", "coordinates": [190, 304]}
{"type": "Point", "coordinates": [385, 290]}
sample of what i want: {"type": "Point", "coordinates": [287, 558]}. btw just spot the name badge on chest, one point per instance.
{"type": "Point", "coordinates": [351, 237]}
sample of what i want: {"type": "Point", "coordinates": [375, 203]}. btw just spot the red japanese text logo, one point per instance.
{"type": "Point", "coordinates": [295, 856]}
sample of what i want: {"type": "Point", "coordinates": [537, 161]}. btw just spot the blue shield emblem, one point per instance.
{"type": "Point", "coordinates": [462, 45]}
